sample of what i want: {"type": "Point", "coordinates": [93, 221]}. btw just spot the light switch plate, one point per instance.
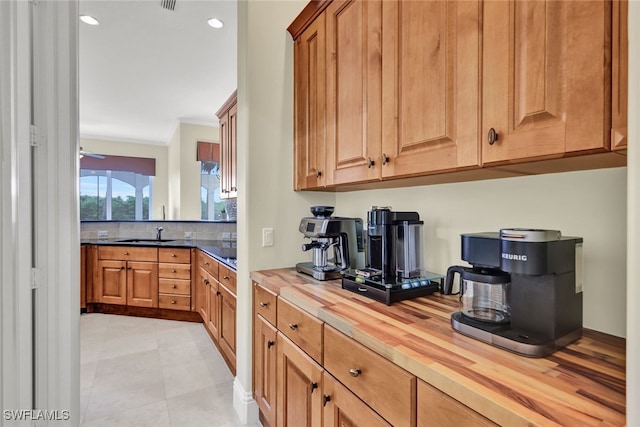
{"type": "Point", "coordinates": [267, 237]}
{"type": "Point", "coordinates": [103, 234]}
{"type": "Point", "coordinates": [188, 235]}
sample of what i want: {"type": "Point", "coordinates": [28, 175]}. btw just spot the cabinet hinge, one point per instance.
{"type": "Point", "coordinates": [35, 278]}
{"type": "Point", "coordinates": [36, 138]}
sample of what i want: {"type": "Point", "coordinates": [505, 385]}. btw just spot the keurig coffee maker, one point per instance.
{"type": "Point", "coordinates": [523, 292]}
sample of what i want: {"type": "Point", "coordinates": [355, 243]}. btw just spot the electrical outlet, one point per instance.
{"type": "Point", "coordinates": [267, 237]}
{"type": "Point", "coordinates": [234, 236]}
{"type": "Point", "coordinates": [226, 236]}
{"type": "Point", "coordinates": [188, 235]}
{"type": "Point", "coordinates": [103, 234]}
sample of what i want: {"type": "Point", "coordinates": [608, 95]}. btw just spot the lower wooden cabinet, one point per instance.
{"type": "Point", "coordinates": [83, 277]}
{"type": "Point", "coordinates": [299, 386]}
{"type": "Point", "coordinates": [111, 282]}
{"type": "Point", "coordinates": [227, 327]}
{"type": "Point", "coordinates": [436, 408]}
{"type": "Point", "coordinates": [142, 284]}
{"type": "Point", "coordinates": [342, 408]}
{"type": "Point", "coordinates": [264, 368]}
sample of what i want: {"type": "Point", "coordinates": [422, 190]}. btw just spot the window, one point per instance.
{"type": "Point", "coordinates": [212, 207]}
{"type": "Point", "coordinates": [116, 188]}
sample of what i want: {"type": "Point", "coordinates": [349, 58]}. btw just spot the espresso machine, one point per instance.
{"type": "Point", "coordinates": [394, 259]}
{"type": "Point", "coordinates": [336, 244]}
{"type": "Point", "coordinates": [523, 291]}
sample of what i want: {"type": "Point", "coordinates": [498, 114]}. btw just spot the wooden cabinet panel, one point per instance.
{"type": "Point", "coordinates": [227, 277]}
{"type": "Point", "coordinates": [202, 294]}
{"type": "Point", "coordinates": [227, 116]}
{"type": "Point", "coordinates": [301, 328]}
{"type": "Point", "coordinates": [388, 389]}
{"type": "Point", "coordinates": [128, 253]}
{"type": "Point", "coordinates": [111, 282]}
{"type": "Point", "coordinates": [174, 286]}
{"type": "Point", "coordinates": [265, 303]}
{"type": "Point", "coordinates": [208, 263]}
{"type": "Point", "coordinates": [354, 90]}
{"type": "Point", "coordinates": [174, 302]}
{"type": "Point", "coordinates": [264, 368]}
{"type": "Point", "coordinates": [299, 389]}
{"type": "Point", "coordinates": [619, 75]}
{"type": "Point", "coordinates": [83, 277]}
{"type": "Point", "coordinates": [174, 255]}
{"type": "Point", "coordinates": [545, 78]}
{"type": "Point", "coordinates": [174, 271]}
{"type": "Point", "coordinates": [431, 86]}
{"type": "Point", "coordinates": [310, 107]}
{"type": "Point", "coordinates": [142, 284]}
{"type": "Point", "coordinates": [213, 309]}
{"type": "Point", "coordinates": [344, 409]}
{"type": "Point", "coordinates": [438, 409]}
{"type": "Point", "coordinates": [227, 327]}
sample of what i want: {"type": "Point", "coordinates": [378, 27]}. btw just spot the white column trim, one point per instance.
{"type": "Point", "coordinates": [243, 403]}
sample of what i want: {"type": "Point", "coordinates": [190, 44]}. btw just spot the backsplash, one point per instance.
{"type": "Point", "coordinates": [147, 230]}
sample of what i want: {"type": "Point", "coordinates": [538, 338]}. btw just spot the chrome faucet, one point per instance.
{"type": "Point", "coordinates": [159, 233]}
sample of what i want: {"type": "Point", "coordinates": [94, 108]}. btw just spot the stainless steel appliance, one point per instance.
{"type": "Point", "coordinates": [395, 259]}
{"type": "Point", "coordinates": [523, 292]}
{"type": "Point", "coordinates": [336, 244]}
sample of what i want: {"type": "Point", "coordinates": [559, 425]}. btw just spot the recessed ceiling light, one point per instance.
{"type": "Point", "coordinates": [87, 19]}
{"type": "Point", "coordinates": [215, 23]}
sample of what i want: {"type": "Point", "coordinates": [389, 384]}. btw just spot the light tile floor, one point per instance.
{"type": "Point", "coordinates": [152, 372]}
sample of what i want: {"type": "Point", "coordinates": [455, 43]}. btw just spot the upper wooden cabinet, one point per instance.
{"type": "Point", "coordinates": [309, 104]}
{"type": "Point", "coordinates": [228, 147]}
{"type": "Point", "coordinates": [403, 89]}
{"type": "Point", "coordinates": [546, 78]}
{"type": "Point", "coordinates": [354, 90]}
{"type": "Point", "coordinates": [430, 86]}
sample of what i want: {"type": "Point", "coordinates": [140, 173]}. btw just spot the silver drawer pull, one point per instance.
{"type": "Point", "coordinates": [355, 372]}
{"type": "Point", "coordinates": [226, 277]}
{"type": "Point", "coordinates": [293, 326]}
{"type": "Point", "coordinates": [264, 304]}
{"type": "Point", "coordinates": [173, 286]}
{"type": "Point", "coordinates": [174, 255]}
{"type": "Point", "coordinates": [173, 271]}
{"type": "Point", "coordinates": [173, 301]}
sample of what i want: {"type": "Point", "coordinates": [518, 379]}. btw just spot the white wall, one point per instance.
{"type": "Point", "coordinates": [589, 204]}
{"type": "Point", "coordinates": [190, 167]}
{"type": "Point", "coordinates": [160, 193]}
{"type": "Point", "coordinates": [173, 174]}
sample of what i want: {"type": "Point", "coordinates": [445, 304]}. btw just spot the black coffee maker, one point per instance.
{"type": "Point", "coordinates": [523, 292]}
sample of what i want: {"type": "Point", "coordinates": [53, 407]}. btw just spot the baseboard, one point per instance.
{"type": "Point", "coordinates": [243, 404]}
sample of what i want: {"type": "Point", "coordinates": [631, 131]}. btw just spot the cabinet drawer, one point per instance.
{"type": "Point", "coordinates": [301, 328]}
{"type": "Point", "coordinates": [208, 263]}
{"type": "Point", "coordinates": [128, 253]}
{"type": "Point", "coordinates": [227, 277]}
{"type": "Point", "coordinates": [174, 271]}
{"type": "Point", "coordinates": [175, 286]}
{"type": "Point", "coordinates": [174, 302]}
{"type": "Point", "coordinates": [265, 303]}
{"type": "Point", "coordinates": [388, 389]}
{"type": "Point", "coordinates": [174, 255]}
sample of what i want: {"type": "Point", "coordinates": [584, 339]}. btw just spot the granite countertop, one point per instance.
{"type": "Point", "coordinates": [582, 384]}
{"type": "Point", "coordinates": [222, 250]}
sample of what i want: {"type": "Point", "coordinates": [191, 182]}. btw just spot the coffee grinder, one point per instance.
{"type": "Point", "coordinates": [523, 292]}
{"type": "Point", "coordinates": [336, 244]}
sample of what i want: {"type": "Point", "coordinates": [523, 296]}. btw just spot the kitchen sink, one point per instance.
{"type": "Point", "coordinates": [145, 240]}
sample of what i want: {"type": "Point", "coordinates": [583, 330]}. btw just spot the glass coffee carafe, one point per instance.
{"type": "Point", "coordinates": [484, 293]}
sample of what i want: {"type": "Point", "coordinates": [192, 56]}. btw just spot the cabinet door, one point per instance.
{"type": "Point", "coordinates": [299, 387]}
{"type": "Point", "coordinates": [343, 409]}
{"type": "Point", "coordinates": [619, 75]}
{"type": "Point", "coordinates": [431, 86]}
{"type": "Point", "coordinates": [354, 90]}
{"type": "Point", "coordinates": [112, 282]}
{"type": "Point", "coordinates": [438, 409]}
{"type": "Point", "coordinates": [264, 369]}
{"type": "Point", "coordinates": [83, 277]}
{"type": "Point", "coordinates": [309, 104]}
{"type": "Point", "coordinates": [225, 157]}
{"type": "Point", "coordinates": [202, 294]}
{"type": "Point", "coordinates": [545, 78]}
{"type": "Point", "coordinates": [213, 309]}
{"type": "Point", "coordinates": [233, 150]}
{"type": "Point", "coordinates": [142, 284]}
{"type": "Point", "coordinates": [227, 329]}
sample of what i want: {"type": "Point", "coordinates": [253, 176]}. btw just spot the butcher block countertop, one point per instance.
{"type": "Point", "coordinates": [581, 385]}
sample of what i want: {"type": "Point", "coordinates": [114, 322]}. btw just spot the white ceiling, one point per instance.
{"type": "Point", "coordinates": [145, 69]}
